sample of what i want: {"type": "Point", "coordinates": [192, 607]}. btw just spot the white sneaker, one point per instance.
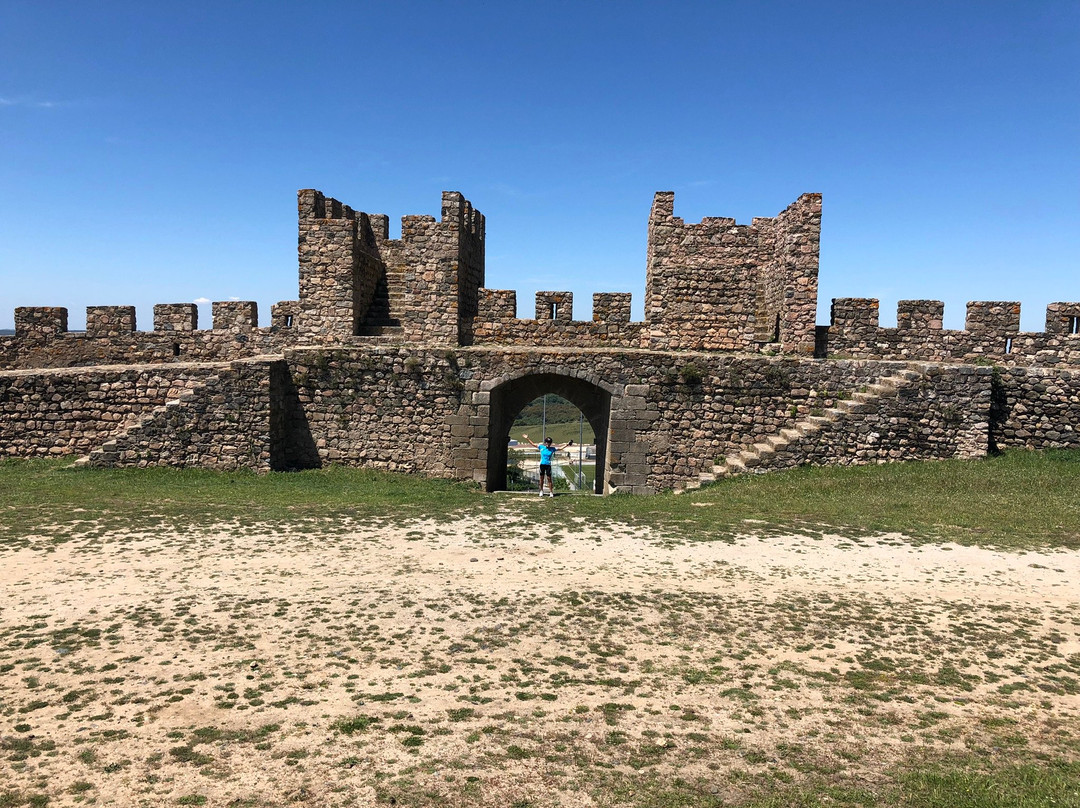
{"type": "Point", "coordinates": [541, 493]}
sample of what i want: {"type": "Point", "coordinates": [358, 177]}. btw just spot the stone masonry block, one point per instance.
{"type": "Point", "coordinates": [993, 315]}
{"type": "Point", "coordinates": [235, 315]}
{"type": "Point", "coordinates": [611, 307]}
{"type": "Point", "coordinates": [40, 321]}
{"type": "Point", "coordinates": [557, 306]}
{"type": "Point", "coordinates": [176, 317]}
{"type": "Point", "coordinates": [1063, 318]}
{"type": "Point", "coordinates": [284, 313]}
{"type": "Point", "coordinates": [858, 314]}
{"type": "Point", "coordinates": [109, 321]}
{"type": "Point", "coordinates": [922, 315]}
{"type": "Point", "coordinates": [497, 304]}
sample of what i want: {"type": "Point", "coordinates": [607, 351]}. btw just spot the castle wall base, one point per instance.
{"type": "Point", "coordinates": [673, 417]}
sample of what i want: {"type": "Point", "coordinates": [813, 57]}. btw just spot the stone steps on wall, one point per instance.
{"type": "Point", "coordinates": [755, 459]}
{"type": "Point", "coordinates": [388, 302]}
{"type": "Point", "coordinates": [381, 331]}
{"type": "Point", "coordinates": [763, 329]}
{"type": "Point", "coordinates": [108, 453]}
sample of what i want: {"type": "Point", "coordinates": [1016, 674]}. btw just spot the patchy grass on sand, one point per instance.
{"type": "Point", "coordinates": [905, 635]}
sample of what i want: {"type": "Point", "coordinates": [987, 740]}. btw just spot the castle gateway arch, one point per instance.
{"type": "Point", "coordinates": [508, 398]}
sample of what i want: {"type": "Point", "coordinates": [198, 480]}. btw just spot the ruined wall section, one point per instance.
{"type": "Point", "coordinates": [718, 285]}
{"type": "Point", "coordinates": [675, 415]}
{"type": "Point", "coordinates": [944, 414]}
{"type": "Point", "coordinates": [701, 281]}
{"type": "Point", "coordinates": [424, 409]}
{"type": "Point", "coordinates": [440, 268]}
{"type": "Point", "coordinates": [672, 415]}
{"type": "Point", "coordinates": [471, 235]}
{"type": "Point", "coordinates": [991, 333]}
{"type": "Point", "coordinates": [387, 407]}
{"type": "Point", "coordinates": [1035, 408]}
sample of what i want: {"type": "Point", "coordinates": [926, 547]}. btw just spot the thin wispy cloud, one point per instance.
{"type": "Point", "coordinates": [201, 300]}
{"type": "Point", "coordinates": [32, 103]}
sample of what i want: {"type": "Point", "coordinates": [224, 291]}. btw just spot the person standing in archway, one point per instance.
{"type": "Point", "coordinates": [547, 452]}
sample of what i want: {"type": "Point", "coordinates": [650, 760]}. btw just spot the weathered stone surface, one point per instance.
{"type": "Point", "coordinates": [395, 356]}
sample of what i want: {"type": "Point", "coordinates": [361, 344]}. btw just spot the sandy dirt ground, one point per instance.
{"type": "Point", "coordinates": [486, 662]}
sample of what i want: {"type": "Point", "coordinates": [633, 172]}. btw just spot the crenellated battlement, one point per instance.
{"type": "Point", "coordinates": [109, 321]}
{"type": "Point", "coordinates": [712, 286]}
{"type": "Point", "coordinates": [40, 322]}
{"type": "Point", "coordinates": [400, 339]}
{"type": "Point", "coordinates": [182, 317]}
{"type": "Point", "coordinates": [355, 280]}
{"type": "Point", "coordinates": [42, 338]}
{"type": "Point", "coordinates": [1063, 319]}
{"type": "Point", "coordinates": [991, 331]}
{"type": "Point", "coordinates": [919, 314]}
{"type": "Point", "coordinates": [553, 323]}
{"type": "Point", "coordinates": [312, 205]}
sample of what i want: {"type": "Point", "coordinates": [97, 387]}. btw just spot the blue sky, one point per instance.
{"type": "Point", "coordinates": [151, 152]}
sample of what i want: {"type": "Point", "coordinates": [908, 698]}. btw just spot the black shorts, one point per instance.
{"type": "Point", "coordinates": [545, 469]}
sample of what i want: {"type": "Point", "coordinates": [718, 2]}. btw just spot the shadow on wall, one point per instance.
{"type": "Point", "coordinates": [292, 446]}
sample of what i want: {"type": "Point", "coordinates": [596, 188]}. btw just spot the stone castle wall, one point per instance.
{"type": "Point", "coordinates": [394, 355]}
{"type": "Point", "coordinates": [353, 275]}
{"type": "Point", "coordinates": [233, 418]}
{"type": "Point", "coordinates": [1035, 408]}
{"type": "Point", "coordinates": [497, 323]}
{"type": "Point", "coordinates": [427, 410]}
{"type": "Point", "coordinates": [75, 410]}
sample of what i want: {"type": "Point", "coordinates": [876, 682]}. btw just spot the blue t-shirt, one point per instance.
{"type": "Point", "coordinates": [546, 453]}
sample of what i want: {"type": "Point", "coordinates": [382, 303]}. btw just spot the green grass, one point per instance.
{"type": "Point", "coordinates": [40, 493]}
{"type": "Point", "coordinates": [959, 783]}
{"type": "Point", "coordinates": [966, 785]}
{"type": "Point", "coordinates": [1018, 499]}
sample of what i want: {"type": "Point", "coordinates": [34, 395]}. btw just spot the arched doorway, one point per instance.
{"type": "Point", "coordinates": [507, 400]}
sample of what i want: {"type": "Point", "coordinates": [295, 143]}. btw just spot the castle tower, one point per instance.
{"type": "Point", "coordinates": [718, 285]}
{"type": "Point", "coordinates": [353, 277]}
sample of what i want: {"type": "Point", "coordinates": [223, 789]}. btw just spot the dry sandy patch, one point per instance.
{"type": "Point", "coordinates": [483, 662]}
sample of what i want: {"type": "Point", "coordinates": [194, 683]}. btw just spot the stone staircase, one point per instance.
{"type": "Point", "coordinates": [109, 452]}
{"type": "Point", "coordinates": [756, 460]}
{"type": "Point", "coordinates": [382, 334]}
{"type": "Point", "coordinates": [765, 327]}
{"type": "Point", "coordinates": [387, 302]}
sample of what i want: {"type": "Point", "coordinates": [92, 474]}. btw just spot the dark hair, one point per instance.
{"type": "Point", "coordinates": [547, 440]}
